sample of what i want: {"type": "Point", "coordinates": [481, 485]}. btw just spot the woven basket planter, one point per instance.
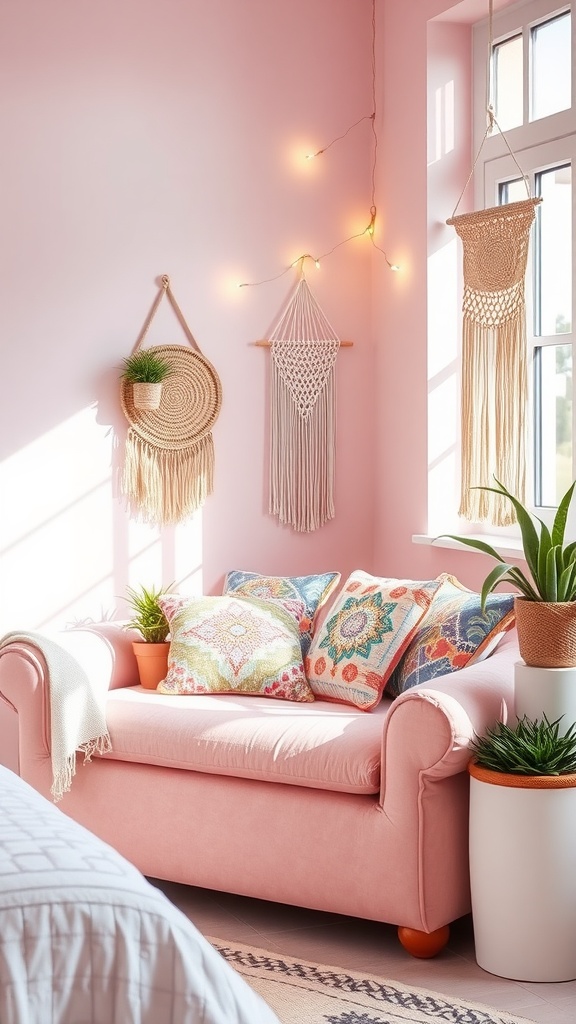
{"type": "Point", "coordinates": [147, 396]}
{"type": "Point", "coordinates": [546, 632]}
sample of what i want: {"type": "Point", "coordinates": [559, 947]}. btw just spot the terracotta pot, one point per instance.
{"type": "Point", "coordinates": [146, 396]}
{"type": "Point", "coordinates": [546, 632]}
{"type": "Point", "coordinates": [522, 879]}
{"type": "Point", "coordinates": [152, 662]}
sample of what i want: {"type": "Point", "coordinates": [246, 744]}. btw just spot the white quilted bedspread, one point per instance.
{"type": "Point", "coordinates": [85, 939]}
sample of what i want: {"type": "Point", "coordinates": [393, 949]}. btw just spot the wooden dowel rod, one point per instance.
{"type": "Point", "coordinates": [264, 343]}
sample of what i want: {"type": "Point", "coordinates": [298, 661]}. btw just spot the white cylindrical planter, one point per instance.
{"type": "Point", "coordinates": [523, 875]}
{"type": "Point", "coordinates": [545, 691]}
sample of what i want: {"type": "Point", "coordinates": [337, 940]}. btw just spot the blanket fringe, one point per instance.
{"type": "Point", "coordinates": [62, 779]}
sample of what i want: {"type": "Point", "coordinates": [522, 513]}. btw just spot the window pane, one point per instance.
{"type": "Point", "coordinates": [551, 61]}
{"type": "Point", "coordinates": [554, 256]}
{"type": "Point", "coordinates": [553, 365]}
{"type": "Point", "coordinates": [512, 191]}
{"type": "Point", "coordinates": [507, 71]}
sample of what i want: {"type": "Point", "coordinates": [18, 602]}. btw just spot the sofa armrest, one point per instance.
{"type": "Point", "coordinates": [103, 650]}
{"type": "Point", "coordinates": [429, 729]}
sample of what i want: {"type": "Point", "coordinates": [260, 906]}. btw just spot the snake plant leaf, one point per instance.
{"type": "Point", "coordinates": [570, 554]}
{"type": "Point", "coordinates": [550, 589]}
{"type": "Point", "coordinates": [530, 541]}
{"type": "Point", "coordinates": [473, 542]}
{"type": "Point", "coordinates": [499, 574]}
{"type": "Point", "coordinates": [559, 524]}
{"type": "Point", "coordinates": [540, 578]}
{"type": "Point", "coordinates": [567, 583]}
{"type": "Point", "coordinates": [521, 581]}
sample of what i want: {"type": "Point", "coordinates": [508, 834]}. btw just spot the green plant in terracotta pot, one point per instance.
{"type": "Point", "coordinates": [146, 370]}
{"type": "Point", "coordinates": [546, 604]}
{"type": "Point", "coordinates": [522, 812]}
{"type": "Point", "coordinates": [150, 621]}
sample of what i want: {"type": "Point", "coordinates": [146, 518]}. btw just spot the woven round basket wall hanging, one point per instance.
{"type": "Point", "coordinates": [169, 457]}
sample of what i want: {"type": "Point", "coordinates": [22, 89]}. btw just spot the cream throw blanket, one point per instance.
{"type": "Point", "coordinates": [77, 716]}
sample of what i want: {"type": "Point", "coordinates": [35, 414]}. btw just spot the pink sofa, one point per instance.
{"type": "Point", "coordinates": [317, 805]}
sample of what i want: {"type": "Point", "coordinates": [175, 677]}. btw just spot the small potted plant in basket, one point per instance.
{"type": "Point", "coordinates": [146, 370]}
{"type": "Point", "coordinates": [546, 605]}
{"type": "Point", "coordinates": [150, 621]}
{"type": "Point", "coordinates": [522, 834]}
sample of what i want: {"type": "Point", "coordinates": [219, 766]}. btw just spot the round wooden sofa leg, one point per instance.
{"type": "Point", "coordinates": [424, 944]}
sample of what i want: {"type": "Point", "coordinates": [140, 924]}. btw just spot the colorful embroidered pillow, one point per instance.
{"type": "Point", "coordinates": [233, 645]}
{"type": "Point", "coordinates": [454, 633]}
{"type": "Point", "coordinates": [364, 637]}
{"type": "Point", "coordinates": [313, 591]}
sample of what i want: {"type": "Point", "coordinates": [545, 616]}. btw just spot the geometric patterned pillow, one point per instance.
{"type": "Point", "coordinates": [233, 645]}
{"type": "Point", "coordinates": [454, 633]}
{"type": "Point", "coordinates": [309, 593]}
{"type": "Point", "coordinates": [364, 636]}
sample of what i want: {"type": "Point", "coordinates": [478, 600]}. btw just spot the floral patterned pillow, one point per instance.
{"type": "Point", "coordinates": [233, 644]}
{"type": "Point", "coordinates": [310, 591]}
{"type": "Point", "coordinates": [364, 636]}
{"type": "Point", "coordinates": [454, 633]}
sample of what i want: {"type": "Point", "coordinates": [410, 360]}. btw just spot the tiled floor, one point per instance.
{"type": "Point", "coordinates": [374, 948]}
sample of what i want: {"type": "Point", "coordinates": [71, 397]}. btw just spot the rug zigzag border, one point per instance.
{"type": "Point", "coordinates": [433, 1005]}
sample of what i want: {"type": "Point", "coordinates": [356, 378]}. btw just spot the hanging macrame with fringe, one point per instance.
{"type": "Point", "coordinates": [304, 348]}
{"type": "Point", "coordinates": [494, 357]}
{"type": "Point", "coordinates": [169, 454]}
{"type": "Point", "coordinates": [494, 348]}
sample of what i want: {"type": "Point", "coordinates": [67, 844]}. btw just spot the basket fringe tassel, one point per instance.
{"type": "Point", "coordinates": [165, 485]}
{"type": "Point", "coordinates": [302, 456]}
{"type": "Point", "coordinates": [494, 395]}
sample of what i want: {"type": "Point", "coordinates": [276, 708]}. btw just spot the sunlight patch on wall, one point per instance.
{"type": "Point", "coordinates": [443, 387]}
{"type": "Point", "coordinates": [67, 545]}
{"type": "Point", "coordinates": [56, 533]}
{"type": "Point", "coordinates": [441, 123]}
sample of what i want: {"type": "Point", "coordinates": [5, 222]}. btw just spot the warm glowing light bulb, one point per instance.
{"type": "Point", "coordinates": [317, 264]}
{"type": "Point", "coordinates": [394, 266]}
{"type": "Point", "coordinates": [310, 156]}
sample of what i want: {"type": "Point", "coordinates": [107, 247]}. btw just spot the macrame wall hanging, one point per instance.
{"type": "Point", "coordinates": [169, 456]}
{"type": "Point", "coordinates": [304, 348]}
{"type": "Point", "coordinates": [494, 349]}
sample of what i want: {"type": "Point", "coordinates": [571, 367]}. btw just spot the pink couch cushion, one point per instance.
{"type": "Point", "coordinates": [320, 745]}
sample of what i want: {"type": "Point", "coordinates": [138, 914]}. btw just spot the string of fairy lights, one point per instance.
{"type": "Point", "coordinates": [370, 229]}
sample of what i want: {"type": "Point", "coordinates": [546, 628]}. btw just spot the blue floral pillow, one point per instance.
{"type": "Point", "coordinates": [453, 633]}
{"type": "Point", "coordinates": [304, 593]}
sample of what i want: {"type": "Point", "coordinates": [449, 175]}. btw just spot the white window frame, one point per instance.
{"type": "Point", "coordinates": [537, 146]}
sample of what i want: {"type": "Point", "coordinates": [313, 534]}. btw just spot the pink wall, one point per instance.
{"type": "Point", "coordinates": [168, 136]}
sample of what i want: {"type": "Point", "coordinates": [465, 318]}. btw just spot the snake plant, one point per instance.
{"type": "Point", "coordinates": [551, 562]}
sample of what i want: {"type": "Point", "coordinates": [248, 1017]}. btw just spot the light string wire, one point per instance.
{"type": "Point", "coordinates": [369, 230]}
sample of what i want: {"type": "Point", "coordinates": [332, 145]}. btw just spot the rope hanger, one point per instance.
{"type": "Point", "coordinates": [492, 121]}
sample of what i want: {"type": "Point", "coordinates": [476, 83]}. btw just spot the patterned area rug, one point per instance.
{"type": "Point", "coordinates": [301, 992]}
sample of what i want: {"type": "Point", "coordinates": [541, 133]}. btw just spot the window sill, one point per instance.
{"type": "Point", "coordinates": [507, 547]}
